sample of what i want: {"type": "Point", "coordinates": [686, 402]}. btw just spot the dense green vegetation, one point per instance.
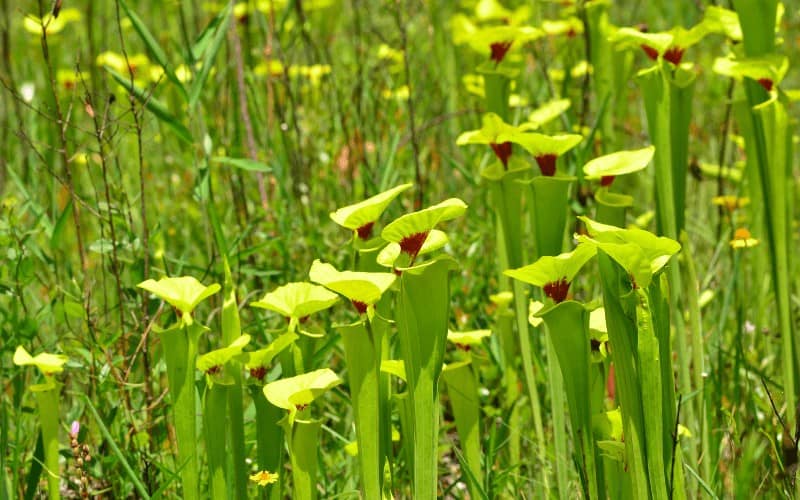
{"type": "Point", "coordinates": [399, 249]}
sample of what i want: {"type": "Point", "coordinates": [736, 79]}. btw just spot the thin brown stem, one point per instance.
{"type": "Point", "coordinates": [137, 121]}
{"type": "Point", "coordinates": [248, 124]}
{"type": "Point", "coordinates": [420, 191]}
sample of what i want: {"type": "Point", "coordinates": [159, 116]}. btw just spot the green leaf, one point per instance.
{"type": "Point", "coordinates": [724, 21]}
{"type": "Point", "coordinates": [541, 144]}
{"type": "Point", "coordinates": [389, 255]}
{"type": "Point", "coordinates": [180, 351]}
{"type": "Point", "coordinates": [215, 429]}
{"type": "Point", "coordinates": [549, 269]}
{"type": "Point", "coordinates": [300, 390]}
{"type": "Point", "coordinates": [550, 204]}
{"type": "Point", "coordinates": [219, 357]}
{"type": "Point", "coordinates": [568, 328]}
{"type": "Point", "coordinates": [619, 163]}
{"type": "Point", "coordinates": [423, 220]}
{"type": "Point", "coordinates": [154, 106]}
{"type": "Point", "coordinates": [471, 337]}
{"type": "Point", "coordinates": [297, 300]}
{"type": "Point", "coordinates": [492, 127]}
{"type": "Point", "coordinates": [205, 37]}
{"type": "Point", "coordinates": [633, 38]}
{"type": "Point", "coordinates": [263, 357]}
{"type": "Point", "coordinates": [482, 39]}
{"type": "Point", "coordinates": [394, 367]}
{"type": "Point", "coordinates": [640, 252]}
{"type": "Point", "coordinates": [210, 54]}
{"type": "Point", "coordinates": [547, 112]}
{"type": "Point", "coordinates": [367, 211]}
{"type": "Point", "coordinates": [772, 67]}
{"type": "Point", "coordinates": [184, 293]}
{"type": "Point", "coordinates": [363, 287]}
{"type": "Point", "coordinates": [242, 163]}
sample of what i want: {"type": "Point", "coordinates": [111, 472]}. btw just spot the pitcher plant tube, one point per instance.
{"type": "Point", "coordinates": [269, 433]}
{"type": "Point", "coordinates": [179, 342]}
{"type": "Point", "coordinates": [414, 234]}
{"type": "Point", "coordinates": [611, 207]}
{"type": "Point", "coordinates": [361, 217]}
{"type": "Point", "coordinates": [364, 345]}
{"type": "Point", "coordinates": [295, 394]}
{"type": "Point", "coordinates": [47, 396]}
{"type": "Point", "coordinates": [215, 365]}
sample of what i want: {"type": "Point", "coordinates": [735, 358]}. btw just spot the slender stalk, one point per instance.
{"type": "Point", "coordinates": [419, 197]}
{"type": "Point", "coordinates": [180, 351]}
{"type": "Point", "coordinates": [245, 114]}
{"type": "Point", "coordinates": [698, 355]}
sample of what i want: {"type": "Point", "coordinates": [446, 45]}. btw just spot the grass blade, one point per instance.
{"type": "Point", "coordinates": [154, 106]}
{"type": "Point", "coordinates": [152, 45]}
{"type": "Point", "coordinates": [132, 475]}
{"type": "Point", "coordinates": [210, 54]}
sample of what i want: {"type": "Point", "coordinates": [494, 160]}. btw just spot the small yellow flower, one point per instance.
{"type": "Point", "coordinates": [264, 477]}
{"type": "Point", "coordinates": [730, 202]}
{"type": "Point", "coordinates": [743, 239]}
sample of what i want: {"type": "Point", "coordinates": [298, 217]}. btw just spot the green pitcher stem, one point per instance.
{"type": "Point", "coordinates": [668, 95]}
{"type": "Point", "coordinates": [568, 330]}
{"type": "Point", "coordinates": [612, 207]}
{"type": "Point", "coordinates": [215, 424]}
{"type": "Point", "coordinates": [506, 193]}
{"type": "Point", "coordinates": [548, 214]}
{"type": "Point", "coordinates": [303, 440]}
{"type": "Point", "coordinates": [47, 403]}
{"type": "Point", "coordinates": [422, 316]}
{"type": "Point", "coordinates": [231, 330]}
{"type": "Point", "coordinates": [363, 357]}
{"type": "Point", "coordinates": [496, 88]}
{"type": "Point", "coordinates": [622, 335]}
{"type": "Point", "coordinates": [180, 351]}
{"type": "Point", "coordinates": [269, 438]}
